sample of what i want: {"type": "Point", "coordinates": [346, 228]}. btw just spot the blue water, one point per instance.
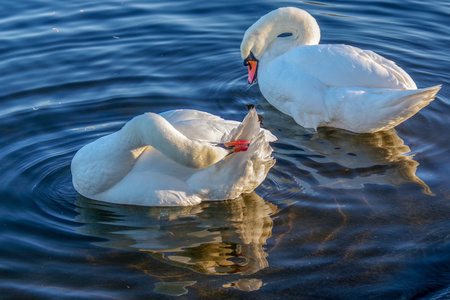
{"type": "Point", "coordinates": [340, 215]}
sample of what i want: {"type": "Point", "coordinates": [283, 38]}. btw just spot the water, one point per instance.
{"type": "Point", "coordinates": [340, 216]}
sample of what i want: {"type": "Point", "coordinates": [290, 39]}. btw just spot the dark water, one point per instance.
{"type": "Point", "coordinates": [340, 216]}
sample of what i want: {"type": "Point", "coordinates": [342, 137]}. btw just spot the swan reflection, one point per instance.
{"type": "Point", "coordinates": [377, 158]}
{"type": "Point", "coordinates": [223, 237]}
{"type": "Point", "coordinates": [340, 159]}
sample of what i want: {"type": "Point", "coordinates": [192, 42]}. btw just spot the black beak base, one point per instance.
{"type": "Point", "coordinates": [250, 57]}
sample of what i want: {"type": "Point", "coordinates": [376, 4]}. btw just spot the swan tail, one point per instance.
{"type": "Point", "coordinates": [241, 172]}
{"type": "Point", "coordinates": [389, 107]}
{"type": "Point", "coordinates": [403, 108]}
{"type": "Point", "coordinates": [248, 129]}
{"type": "Point", "coordinates": [411, 99]}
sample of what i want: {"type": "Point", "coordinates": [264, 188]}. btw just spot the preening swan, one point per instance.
{"type": "Point", "coordinates": [179, 157]}
{"type": "Point", "coordinates": [327, 85]}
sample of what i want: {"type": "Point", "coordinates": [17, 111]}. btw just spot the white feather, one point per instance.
{"type": "Point", "coordinates": [329, 85]}
{"type": "Point", "coordinates": [170, 159]}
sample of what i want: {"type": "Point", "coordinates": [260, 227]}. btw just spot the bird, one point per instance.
{"type": "Point", "coordinates": [175, 158]}
{"type": "Point", "coordinates": [330, 85]}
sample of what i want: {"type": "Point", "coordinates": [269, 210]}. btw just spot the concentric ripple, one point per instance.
{"type": "Point", "coordinates": [340, 215]}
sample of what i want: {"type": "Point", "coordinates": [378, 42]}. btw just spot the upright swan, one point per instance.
{"type": "Point", "coordinates": [327, 85]}
{"type": "Point", "coordinates": [179, 157]}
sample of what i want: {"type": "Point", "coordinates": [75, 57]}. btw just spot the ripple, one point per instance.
{"type": "Point", "coordinates": [338, 208]}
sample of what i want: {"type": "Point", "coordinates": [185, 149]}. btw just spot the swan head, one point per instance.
{"type": "Point", "coordinates": [266, 33]}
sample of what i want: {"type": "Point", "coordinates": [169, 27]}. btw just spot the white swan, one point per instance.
{"type": "Point", "coordinates": [179, 157]}
{"type": "Point", "coordinates": [327, 85]}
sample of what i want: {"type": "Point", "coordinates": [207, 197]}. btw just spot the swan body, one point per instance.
{"type": "Point", "coordinates": [174, 158]}
{"type": "Point", "coordinates": [327, 85]}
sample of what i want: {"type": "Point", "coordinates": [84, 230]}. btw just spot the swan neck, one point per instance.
{"type": "Point", "coordinates": [153, 130]}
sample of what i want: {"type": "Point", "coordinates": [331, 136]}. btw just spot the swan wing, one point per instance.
{"type": "Point", "coordinates": [177, 115]}
{"type": "Point", "coordinates": [150, 188]}
{"type": "Point", "coordinates": [199, 125]}
{"type": "Point", "coordinates": [391, 67]}
{"type": "Point", "coordinates": [343, 66]}
{"type": "Point", "coordinates": [303, 81]}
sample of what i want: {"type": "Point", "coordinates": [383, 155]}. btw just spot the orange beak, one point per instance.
{"type": "Point", "coordinates": [252, 68]}
{"type": "Point", "coordinates": [238, 146]}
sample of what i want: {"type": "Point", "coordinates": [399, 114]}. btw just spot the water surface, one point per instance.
{"type": "Point", "coordinates": [340, 215]}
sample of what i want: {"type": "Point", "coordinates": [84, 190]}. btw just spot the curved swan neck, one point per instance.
{"type": "Point", "coordinates": [153, 130]}
{"type": "Point", "coordinates": [263, 33]}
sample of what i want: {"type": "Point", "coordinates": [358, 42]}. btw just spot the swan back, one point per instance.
{"type": "Point", "coordinates": [301, 25]}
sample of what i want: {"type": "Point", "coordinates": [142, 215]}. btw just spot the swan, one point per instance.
{"type": "Point", "coordinates": [327, 85]}
{"type": "Point", "coordinates": [176, 158]}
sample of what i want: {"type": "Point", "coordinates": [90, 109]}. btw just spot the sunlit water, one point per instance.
{"type": "Point", "coordinates": [340, 215]}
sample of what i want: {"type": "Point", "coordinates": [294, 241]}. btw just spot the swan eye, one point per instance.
{"type": "Point", "coordinates": [285, 34]}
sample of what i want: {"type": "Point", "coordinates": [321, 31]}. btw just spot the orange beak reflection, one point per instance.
{"type": "Point", "coordinates": [252, 68]}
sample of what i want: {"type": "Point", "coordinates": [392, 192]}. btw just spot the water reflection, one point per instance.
{"type": "Point", "coordinates": [341, 159]}
{"type": "Point", "coordinates": [376, 158]}
{"type": "Point", "coordinates": [224, 237]}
